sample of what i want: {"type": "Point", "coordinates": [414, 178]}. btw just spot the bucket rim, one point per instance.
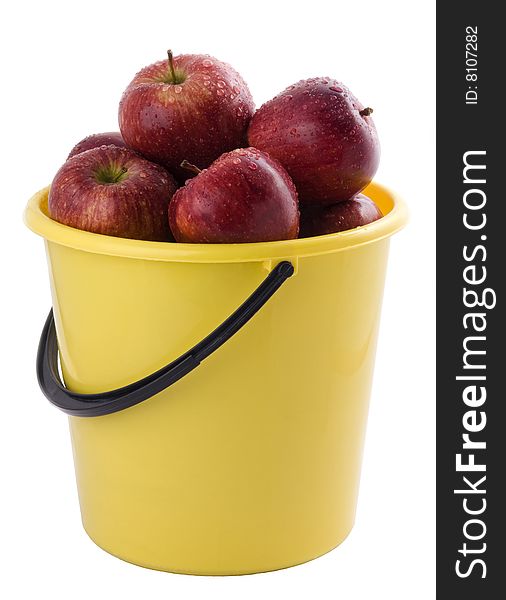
{"type": "Point", "coordinates": [393, 207]}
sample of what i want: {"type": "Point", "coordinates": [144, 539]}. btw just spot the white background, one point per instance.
{"type": "Point", "coordinates": [64, 67]}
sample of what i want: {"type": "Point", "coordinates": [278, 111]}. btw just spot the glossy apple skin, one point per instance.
{"type": "Point", "coordinates": [315, 129]}
{"type": "Point", "coordinates": [96, 140]}
{"type": "Point", "coordinates": [244, 196]}
{"type": "Point", "coordinates": [196, 120]}
{"type": "Point", "coordinates": [135, 207]}
{"type": "Point", "coordinates": [348, 214]}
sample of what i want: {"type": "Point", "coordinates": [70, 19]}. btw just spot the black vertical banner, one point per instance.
{"type": "Point", "coordinates": [471, 330]}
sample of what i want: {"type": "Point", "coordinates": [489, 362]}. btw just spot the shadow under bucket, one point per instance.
{"type": "Point", "coordinates": [249, 461]}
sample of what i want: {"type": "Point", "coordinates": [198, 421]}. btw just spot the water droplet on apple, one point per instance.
{"type": "Point", "coordinates": [336, 89]}
{"type": "Point", "coordinates": [238, 111]}
{"type": "Point", "coordinates": [220, 83]}
{"type": "Point", "coordinates": [178, 89]}
{"type": "Point", "coordinates": [253, 166]}
{"type": "Point", "coordinates": [236, 89]}
{"type": "Point", "coordinates": [207, 63]}
{"type": "Point", "coordinates": [143, 174]}
{"type": "Point", "coordinates": [220, 92]}
{"type": "Point", "coordinates": [288, 98]}
{"type": "Point", "coordinates": [207, 82]}
{"type": "Point", "coordinates": [293, 131]}
{"type": "Point", "coordinates": [236, 161]}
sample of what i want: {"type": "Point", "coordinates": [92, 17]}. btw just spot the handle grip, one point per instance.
{"type": "Point", "coordinates": [104, 403]}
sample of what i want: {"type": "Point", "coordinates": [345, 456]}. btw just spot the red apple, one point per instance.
{"type": "Point", "coordinates": [96, 140]}
{"type": "Point", "coordinates": [323, 136]}
{"type": "Point", "coordinates": [348, 214]}
{"type": "Point", "coordinates": [190, 107]}
{"type": "Point", "coordinates": [244, 196]}
{"type": "Point", "coordinates": [113, 191]}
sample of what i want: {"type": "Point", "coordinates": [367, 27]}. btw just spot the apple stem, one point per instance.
{"type": "Point", "coordinates": [120, 175]}
{"type": "Point", "coordinates": [172, 70]}
{"type": "Point", "coordinates": [189, 167]}
{"type": "Point", "coordinates": [366, 112]}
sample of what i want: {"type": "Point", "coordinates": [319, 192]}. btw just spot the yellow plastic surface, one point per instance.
{"type": "Point", "coordinates": [251, 462]}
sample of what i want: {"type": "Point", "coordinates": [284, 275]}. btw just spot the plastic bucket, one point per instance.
{"type": "Point", "coordinates": [249, 461]}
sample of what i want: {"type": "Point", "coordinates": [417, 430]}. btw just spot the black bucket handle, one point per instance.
{"type": "Point", "coordinates": [95, 405]}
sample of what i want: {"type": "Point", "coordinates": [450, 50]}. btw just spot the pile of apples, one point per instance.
{"type": "Point", "coordinates": [195, 163]}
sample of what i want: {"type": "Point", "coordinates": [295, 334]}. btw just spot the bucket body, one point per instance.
{"type": "Point", "coordinates": [251, 462]}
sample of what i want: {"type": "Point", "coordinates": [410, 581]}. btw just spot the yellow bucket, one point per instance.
{"type": "Point", "coordinates": [245, 463]}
